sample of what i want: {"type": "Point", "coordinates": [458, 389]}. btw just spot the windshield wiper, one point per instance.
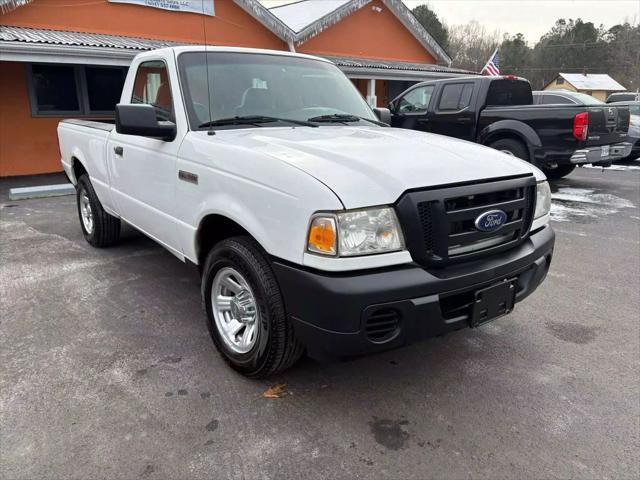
{"type": "Point", "coordinates": [253, 120]}
{"type": "Point", "coordinates": [335, 118]}
{"type": "Point", "coordinates": [343, 118]}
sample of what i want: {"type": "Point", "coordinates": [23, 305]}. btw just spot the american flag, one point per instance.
{"type": "Point", "coordinates": [493, 65]}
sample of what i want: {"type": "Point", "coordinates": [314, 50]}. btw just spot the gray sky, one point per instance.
{"type": "Point", "coordinates": [533, 18]}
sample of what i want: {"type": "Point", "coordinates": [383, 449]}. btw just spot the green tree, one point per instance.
{"type": "Point", "coordinates": [515, 55]}
{"type": "Point", "coordinates": [432, 24]}
{"type": "Point", "coordinates": [571, 46]}
{"type": "Point", "coordinates": [622, 61]}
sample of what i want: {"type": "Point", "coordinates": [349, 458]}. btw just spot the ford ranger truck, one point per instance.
{"type": "Point", "coordinates": [316, 227]}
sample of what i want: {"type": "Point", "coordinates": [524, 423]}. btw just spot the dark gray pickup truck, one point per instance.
{"type": "Point", "coordinates": [500, 112]}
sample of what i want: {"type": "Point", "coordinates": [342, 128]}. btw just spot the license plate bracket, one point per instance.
{"type": "Point", "coordinates": [493, 302]}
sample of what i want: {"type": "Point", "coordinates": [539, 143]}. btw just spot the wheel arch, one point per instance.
{"type": "Point", "coordinates": [213, 228]}
{"type": "Point", "coordinates": [511, 129]}
{"type": "Point", "coordinates": [78, 167]}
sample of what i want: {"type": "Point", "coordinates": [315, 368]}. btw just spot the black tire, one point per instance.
{"type": "Point", "coordinates": [276, 347]}
{"type": "Point", "coordinates": [512, 147]}
{"type": "Point", "coordinates": [558, 172]}
{"type": "Point", "coordinates": [106, 227]}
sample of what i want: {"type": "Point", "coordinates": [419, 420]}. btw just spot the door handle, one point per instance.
{"type": "Point", "coordinates": [118, 151]}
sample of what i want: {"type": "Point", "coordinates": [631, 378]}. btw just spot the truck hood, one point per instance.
{"type": "Point", "coordinates": [367, 166]}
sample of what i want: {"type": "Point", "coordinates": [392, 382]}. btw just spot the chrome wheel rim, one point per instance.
{"type": "Point", "coordinates": [86, 213]}
{"type": "Point", "coordinates": [235, 310]}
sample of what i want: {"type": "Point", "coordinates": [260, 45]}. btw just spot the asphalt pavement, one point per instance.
{"type": "Point", "coordinates": [107, 369]}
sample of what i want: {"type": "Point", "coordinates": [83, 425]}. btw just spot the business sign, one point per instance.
{"type": "Point", "coordinates": [203, 7]}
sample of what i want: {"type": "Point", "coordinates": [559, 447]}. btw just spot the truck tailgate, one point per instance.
{"type": "Point", "coordinates": [607, 125]}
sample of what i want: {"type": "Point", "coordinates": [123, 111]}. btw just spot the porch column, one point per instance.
{"type": "Point", "coordinates": [372, 100]}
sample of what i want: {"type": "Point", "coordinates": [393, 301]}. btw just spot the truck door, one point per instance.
{"type": "Point", "coordinates": [411, 110]}
{"type": "Point", "coordinates": [143, 169]}
{"type": "Point", "coordinates": [452, 113]}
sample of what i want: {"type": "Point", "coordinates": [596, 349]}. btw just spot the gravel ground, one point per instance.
{"type": "Point", "coordinates": [107, 369]}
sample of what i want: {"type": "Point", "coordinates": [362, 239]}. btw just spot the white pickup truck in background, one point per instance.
{"type": "Point", "coordinates": [316, 227]}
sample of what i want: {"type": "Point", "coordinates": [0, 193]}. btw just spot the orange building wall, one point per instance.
{"type": "Point", "coordinates": [230, 26]}
{"type": "Point", "coordinates": [368, 34]}
{"type": "Point", "coordinates": [27, 145]}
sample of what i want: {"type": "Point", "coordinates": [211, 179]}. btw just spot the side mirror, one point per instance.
{"type": "Point", "coordinates": [383, 114]}
{"type": "Point", "coordinates": [140, 119]}
{"type": "Point", "coordinates": [392, 107]}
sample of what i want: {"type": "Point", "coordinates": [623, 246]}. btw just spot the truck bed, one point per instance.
{"type": "Point", "coordinates": [106, 125]}
{"type": "Point", "coordinates": [554, 125]}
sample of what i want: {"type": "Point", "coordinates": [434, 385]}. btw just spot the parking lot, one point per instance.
{"type": "Point", "coordinates": [108, 369]}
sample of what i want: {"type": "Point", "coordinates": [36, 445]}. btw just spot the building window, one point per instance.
{"type": "Point", "coordinates": [57, 90]}
{"type": "Point", "coordinates": [560, 81]}
{"type": "Point", "coordinates": [104, 87]}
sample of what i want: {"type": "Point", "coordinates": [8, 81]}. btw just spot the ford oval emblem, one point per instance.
{"type": "Point", "coordinates": [491, 221]}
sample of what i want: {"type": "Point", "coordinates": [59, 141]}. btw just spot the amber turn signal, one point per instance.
{"type": "Point", "coordinates": [322, 236]}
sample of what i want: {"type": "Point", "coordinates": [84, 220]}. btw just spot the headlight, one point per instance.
{"type": "Point", "coordinates": [355, 232]}
{"type": "Point", "coordinates": [543, 199]}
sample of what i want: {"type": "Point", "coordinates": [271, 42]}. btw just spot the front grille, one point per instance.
{"type": "Point", "coordinates": [426, 220]}
{"type": "Point", "coordinates": [440, 226]}
{"type": "Point", "coordinates": [382, 324]}
{"type": "Point", "coordinates": [461, 212]}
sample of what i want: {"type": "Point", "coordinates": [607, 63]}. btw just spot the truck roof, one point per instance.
{"type": "Point", "coordinates": [475, 78]}
{"type": "Point", "coordinates": [209, 48]}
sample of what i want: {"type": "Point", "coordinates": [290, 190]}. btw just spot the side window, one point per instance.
{"type": "Point", "coordinates": [556, 100]}
{"type": "Point", "coordinates": [417, 100]}
{"type": "Point", "coordinates": [455, 96]}
{"type": "Point", "coordinates": [465, 97]}
{"type": "Point", "coordinates": [151, 86]}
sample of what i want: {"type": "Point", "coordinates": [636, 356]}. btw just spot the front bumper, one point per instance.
{"type": "Point", "coordinates": [331, 312]}
{"type": "Point", "coordinates": [594, 154]}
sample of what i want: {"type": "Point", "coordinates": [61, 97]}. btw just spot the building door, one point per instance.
{"type": "Point", "coordinates": [143, 184]}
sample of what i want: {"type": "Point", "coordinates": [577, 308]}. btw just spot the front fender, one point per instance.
{"type": "Point", "coordinates": [267, 197]}
{"type": "Point", "coordinates": [227, 206]}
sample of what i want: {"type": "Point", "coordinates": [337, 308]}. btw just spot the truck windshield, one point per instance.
{"type": "Point", "coordinates": [224, 85]}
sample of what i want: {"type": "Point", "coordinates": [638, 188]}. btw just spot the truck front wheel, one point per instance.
{"type": "Point", "coordinates": [245, 310]}
{"type": "Point", "coordinates": [98, 227]}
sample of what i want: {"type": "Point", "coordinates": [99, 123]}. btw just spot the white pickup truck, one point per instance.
{"type": "Point", "coordinates": [315, 225]}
